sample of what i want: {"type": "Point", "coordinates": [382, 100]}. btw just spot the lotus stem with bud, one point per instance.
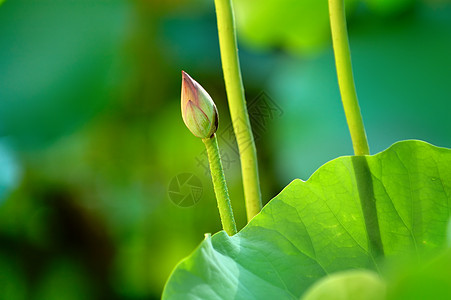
{"type": "Point", "coordinates": [201, 117]}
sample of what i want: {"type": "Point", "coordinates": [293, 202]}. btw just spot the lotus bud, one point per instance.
{"type": "Point", "coordinates": [198, 109]}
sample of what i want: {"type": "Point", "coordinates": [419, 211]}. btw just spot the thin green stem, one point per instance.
{"type": "Point", "coordinates": [220, 186]}
{"type": "Point", "coordinates": [346, 78]}
{"type": "Point", "coordinates": [237, 106]}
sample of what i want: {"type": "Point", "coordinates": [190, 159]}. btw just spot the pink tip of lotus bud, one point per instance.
{"type": "Point", "coordinates": [198, 109]}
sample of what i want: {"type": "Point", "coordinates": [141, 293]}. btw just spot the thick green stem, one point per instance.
{"type": "Point", "coordinates": [220, 186]}
{"type": "Point", "coordinates": [346, 78]}
{"type": "Point", "coordinates": [237, 106]}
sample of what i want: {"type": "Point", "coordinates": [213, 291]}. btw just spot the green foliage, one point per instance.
{"type": "Point", "coordinates": [102, 143]}
{"type": "Point", "coordinates": [9, 170]}
{"type": "Point", "coordinates": [306, 21]}
{"type": "Point", "coordinates": [391, 86]}
{"type": "Point", "coordinates": [350, 214]}
{"type": "Point", "coordinates": [388, 6]}
{"type": "Point", "coordinates": [46, 88]}
{"type": "Point", "coordinates": [429, 280]}
{"type": "Point", "coordinates": [302, 26]}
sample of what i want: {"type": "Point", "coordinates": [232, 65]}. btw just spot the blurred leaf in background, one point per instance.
{"type": "Point", "coordinates": [47, 49]}
{"type": "Point", "coordinates": [414, 281]}
{"type": "Point", "coordinates": [401, 68]}
{"type": "Point", "coordinates": [90, 105]}
{"type": "Point", "coordinates": [10, 171]}
{"type": "Point", "coordinates": [302, 26]}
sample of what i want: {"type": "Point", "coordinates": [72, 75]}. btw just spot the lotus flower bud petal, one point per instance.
{"type": "Point", "coordinates": [198, 109]}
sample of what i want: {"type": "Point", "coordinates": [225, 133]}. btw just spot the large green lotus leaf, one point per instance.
{"type": "Point", "coordinates": [350, 214]}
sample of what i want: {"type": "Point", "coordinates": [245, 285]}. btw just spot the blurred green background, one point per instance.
{"type": "Point", "coordinates": [91, 133]}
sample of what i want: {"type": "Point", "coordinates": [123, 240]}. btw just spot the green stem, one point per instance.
{"type": "Point", "coordinates": [237, 106]}
{"type": "Point", "coordinates": [220, 186]}
{"type": "Point", "coordinates": [346, 78]}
